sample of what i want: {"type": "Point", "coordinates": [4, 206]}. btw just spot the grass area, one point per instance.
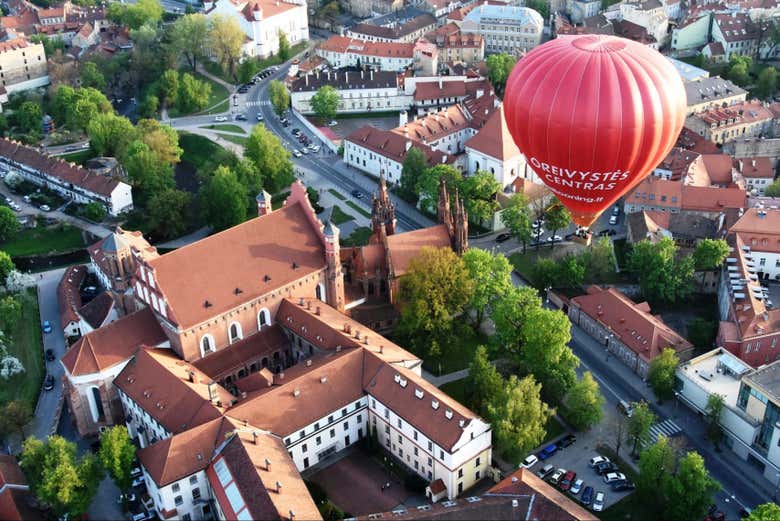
{"type": "Point", "coordinates": [197, 150]}
{"type": "Point", "coordinates": [357, 238]}
{"type": "Point", "coordinates": [80, 157]}
{"type": "Point", "coordinates": [259, 64]}
{"type": "Point", "coordinates": [458, 354]}
{"type": "Point", "coordinates": [225, 128]}
{"type": "Point", "coordinates": [238, 140]}
{"type": "Point", "coordinates": [339, 216]}
{"type": "Point", "coordinates": [359, 210]}
{"type": "Point", "coordinates": [554, 429]}
{"type": "Point", "coordinates": [27, 346]}
{"type": "Point", "coordinates": [458, 390]}
{"type": "Point", "coordinates": [44, 240]}
{"type": "Point", "coordinates": [218, 109]}
{"type": "Point", "coordinates": [218, 94]}
{"type": "Point", "coordinates": [337, 194]}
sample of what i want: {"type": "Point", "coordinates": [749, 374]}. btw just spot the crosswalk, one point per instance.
{"type": "Point", "coordinates": [258, 103]}
{"type": "Point", "coordinates": [667, 427]}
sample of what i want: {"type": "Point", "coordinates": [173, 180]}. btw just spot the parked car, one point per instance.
{"type": "Point", "coordinates": [502, 237]}
{"type": "Point", "coordinates": [595, 460]}
{"type": "Point", "coordinates": [130, 497]}
{"type": "Point", "coordinates": [547, 451]}
{"type": "Point", "coordinates": [616, 210]}
{"type": "Point", "coordinates": [219, 119]}
{"type": "Point", "coordinates": [333, 123]}
{"type": "Point", "coordinates": [135, 472]}
{"type": "Point", "coordinates": [613, 220]}
{"type": "Point", "coordinates": [50, 355]}
{"type": "Point", "coordinates": [567, 440]}
{"type": "Point", "coordinates": [607, 233]}
{"type": "Point", "coordinates": [45, 208]}
{"type": "Point", "coordinates": [587, 496]}
{"type": "Point", "coordinates": [622, 486]}
{"type": "Point", "coordinates": [26, 199]}
{"type": "Point", "coordinates": [357, 194]}
{"type": "Point", "coordinates": [626, 408]}
{"type": "Point", "coordinates": [567, 480]}
{"type": "Point", "coordinates": [46, 327]}
{"type": "Point", "coordinates": [576, 487]}
{"type": "Point", "coordinates": [537, 223]}
{"type": "Point", "coordinates": [48, 383]}
{"type": "Point", "coordinates": [139, 481]}
{"type": "Point", "coordinates": [598, 502]}
{"type": "Point", "coordinates": [606, 468]}
{"type": "Point", "coordinates": [296, 153]}
{"type": "Point", "coordinates": [529, 461]}
{"type": "Point", "coordinates": [545, 471]}
{"type": "Point", "coordinates": [554, 238]}
{"type": "Point", "coordinates": [611, 477]}
{"type": "Point", "coordinates": [240, 117]}
{"type": "Point", "coordinates": [295, 131]}
{"type": "Point", "coordinates": [557, 476]}
{"type": "Point", "coordinates": [305, 151]}
{"type": "Point", "coordinates": [259, 117]}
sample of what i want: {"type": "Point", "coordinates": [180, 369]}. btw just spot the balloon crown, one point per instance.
{"type": "Point", "coordinates": [595, 43]}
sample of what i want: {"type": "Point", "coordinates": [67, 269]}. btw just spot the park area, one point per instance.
{"type": "Point", "coordinates": [27, 346]}
{"type": "Point", "coordinates": [40, 240]}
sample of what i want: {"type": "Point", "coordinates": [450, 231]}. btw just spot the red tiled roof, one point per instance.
{"type": "Point", "coordinates": [68, 296]}
{"type": "Point", "coordinates": [96, 312]}
{"type": "Point", "coordinates": [343, 44]}
{"type": "Point", "coordinates": [225, 361]}
{"type": "Point", "coordinates": [494, 138]}
{"type": "Point", "coordinates": [394, 145]}
{"type": "Point", "coordinates": [405, 246]}
{"type": "Point", "coordinates": [713, 199]}
{"type": "Point", "coordinates": [753, 167]}
{"type": "Point", "coordinates": [759, 229]}
{"type": "Point", "coordinates": [428, 90]}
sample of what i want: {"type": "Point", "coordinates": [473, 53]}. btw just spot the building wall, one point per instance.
{"type": "Point", "coordinates": [371, 162]}
{"type": "Point", "coordinates": [24, 68]}
{"type": "Point", "coordinates": [724, 133]}
{"type": "Point", "coordinates": [758, 184]}
{"type": "Point", "coordinates": [654, 20]}
{"type": "Point", "coordinates": [183, 491]}
{"type": "Point", "coordinates": [692, 36]}
{"type": "Point", "coordinates": [350, 59]}
{"type": "Point", "coordinates": [121, 199]}
{"type": "Point", "coordinates": [710, 104]}
{"type": "Point", "coordinates": [81, 400]}
{"type": "Point", "coordinates": [741, 47]}
{"type": "Point", "coordinates": [140, 425]}
{"type": "Point", "coordinates": [405, 38]}
{"type": "Point", "coordinates": [504, 36]}
{"type": "Point", "coordinates": [504, 172]}
{"type": "Point", "coordinates": [357, 100]}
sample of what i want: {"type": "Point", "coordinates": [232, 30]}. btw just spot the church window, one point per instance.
{"type": "Point", "coordinates": [234, 334]}
{"type": "Point", "coordinates": [263, 319]}
{"type": "Point", "coordinates": [319, 291]}
{"type": "Point", "coordinates": [207, 345]}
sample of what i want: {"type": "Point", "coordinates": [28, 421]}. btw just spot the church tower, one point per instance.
{"type": "Point", "coordinates": [335, 282]}
{"type": "Point", "coordinates": [443, 208]}
{"type": "Point", "coordinates": [460, 224]}
{"type": "Point", "coordinates": [382, 211]}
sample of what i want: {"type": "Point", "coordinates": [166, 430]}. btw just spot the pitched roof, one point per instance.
{"type": "Point", "coordinates": [14, 493]}
{"type": "Point", "coordinates": [494, 138]}
{"type": "Point", "coordinates": [736, 26]}
{"type": "Point", "coordinates": [118, 241]}
{"type": "Point", "coordinates": [403, 247]}
{"type": "Point", "coordinates": [254, 257]}
{"type": "Point", "coordinates": [710, 89]}
{"type": "Point", "coordinates": [713, 199]}
{"type": "Point", "coordinates": [225, 361]}
{"type": "Point", "coordinates": [753, 167]}
{"type": "Point", "coordinates": [184, 453]}
{"type": "Point", "coordinates": [631, 323]}
{"type": "Point", "coordinates": [160, 383]}
{"type": "Point", "coordinates": [267, 7]}
{"type": "Point", "coordinates": [97, 310]}
{"type": "Point", "coordinates": [113, 343]}
{"type": "Point", "coordinates": [68, 296]}
{"type": "Point", "coordinates": [345, 80]}
{"type": "Point", "coordinates": [739, 114]}
{"type": "Point", "coordinates": [719, 168]}
{"type": "Point", "coordinates": [394, 145]}
{"type": "Point", "coordinates": [428, 90]}
{"type": "Point", "coordinates": [436, 125]}
{"type": "Point", "coordinates": [10, 471]}
{"type": "Point", "coordinates": [344, 44]}
{"type": "Point", "coordinates": [759, 229]}
{"type": "Point", "coordinates": [396, 31]}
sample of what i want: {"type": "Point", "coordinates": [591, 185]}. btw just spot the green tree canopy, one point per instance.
{"type": "Point", "coordinates": [599, 260]}
{"type": "Point", "coordinates": [28, 117]}
{"type": "Point", "coordinates": [765, 512]}
{"type": "Point", "coordinates": [284, 47]}
{"type": "Point", "coordinates": [710, 254]}
{"type": "Point", "coordinates": [146, 172]}
{"type": "Point", "coordinates": [689, 493]}
{"type": "Point", "coordinates": [325, 103]}
{"type": "Point", "coordinates": [6, 266]}
{"type": "Point", "coordinates": [660, 374]}
{"type": "Point", "coordinates": [270, 157]}
{"type": "Point", "coordinates": [280, 98]}
{"type": "Point", "coordinates": [162, 140]}
{"type": "Point", "coordinates": [499, 67]}
{"type": "Point", "coordinates": [168, 213]}
{"type": "Point", "coordinates": [479, 195]}
{"type": "Point", "coordinates": [491, 275]}
{"type": "Point", "coordinates": [656, 463]}
{"type": "Point", "coordinates": [485, 381]}
{"type": "Point", "coordinates": [193, 94]}
{"type": "Point", "coordinates": [413, 167]}
{"type": "Point", "coordinates": [136, 15]}
{"type": "Point", "coordinates": [92, 77]}
{"type": "Point", "coordinates": [9, 224]}
{"type": "Point", "coordinates": [223, 199]}
{"type": "Point", "coordinates": [225, 41]}
{"type": "Point", "coordinates": [428, 184]}
{"type": "Point", "coordinates": [661, 275]}
{"type": "Point", "coordinates": [639, 424]}
{"type": "Point", "coordinates": [715, 404]}
{"type": "Point", "coordinates": [109, 134]}
{"type": "Point", "coordinates": [188, 36]}
{"type": "Point", "coordinates": [117, 453]}
{"type": "Point", "coordinates": [584, 403]}
{"type": "Point", "coordinates": [766, 85]}
{"type": "Point", "coordinates": [168, 87]}
{"type": "Point", "coordinates": [517, 218]}
{"type": "Point", "coordinates": [14, 416]}
{"type": "Point", "coordinates": [773, 190]}
{"type": "Point", "coordinates": [510, 312]}
{"type": "Point", "coordinates": [556, 218]}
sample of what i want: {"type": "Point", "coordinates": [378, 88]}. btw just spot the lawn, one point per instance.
{"type": "Point", "coordinates": [218, 94]}
{"type": "Point", "coordinates": [359, 237]}
{"type": "Point", "coordinates": [339, 216]}
{"type": "Point", "coordinates": [27, 346]}
{"type": "Point", "coordinates": [44, 240]}
{"type": "Point", "coordinates": [218, 109]}
{"type": "Point", "coordinates": [337, 194]}
{"type": "Point", "coordinates": [238, 140]}
{"type": "Point", "coordinates": [80, 157]}
{"type": "Point", "coordinates": [458, 354]}
{"type": "Point", "coordinates": [225, 128]}
{"type": "Point", "coordinates": [197, 150]}
{"type": "Point", "coordinates": [358, 209]}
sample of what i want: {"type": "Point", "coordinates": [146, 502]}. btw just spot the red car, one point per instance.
{"type": "Point", "coordinates": [567, 480]}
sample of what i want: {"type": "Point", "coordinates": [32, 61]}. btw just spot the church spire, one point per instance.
{"type": "Point", "coordinates": [382, 210]}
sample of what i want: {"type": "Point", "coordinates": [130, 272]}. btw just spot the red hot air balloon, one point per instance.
{"type": "Point", "coordinates": [593, 115]}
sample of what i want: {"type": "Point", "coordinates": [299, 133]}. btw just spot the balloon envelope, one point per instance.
{"type": "Point", "coordinates": [593, 115]}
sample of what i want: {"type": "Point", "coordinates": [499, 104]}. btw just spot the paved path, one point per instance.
{"type": "Point", "coordinates": [438, 381]}
{"type": "Point", "coordinates": [186, 239]}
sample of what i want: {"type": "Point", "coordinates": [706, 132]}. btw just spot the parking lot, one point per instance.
{"type": "Point", "coordinates": [575, 458]}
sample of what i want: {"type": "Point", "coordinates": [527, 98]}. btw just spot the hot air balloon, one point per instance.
{"type": "Point", "coordinates": [593, 115]}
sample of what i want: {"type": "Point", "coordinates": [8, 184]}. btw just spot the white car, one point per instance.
{"type": "Point", "coordinates": [554, 238]}
{"type": "Point", "coordinates": [259, 117]}
{"type": "Point", "coordinates": [537, 223]}
{"type": "Point", "coordinates": [220, 118]}
{"type": "Point", "coordinates": [576, 487]}
{"type": "Point", "coordinates": [613, 219]}
{"type": "Point", "coordinates": [614, 476]}
{"type": "Point", "coordinates": [598, 502]}
{"type": "Point", "coordinates": [557, 476]}
{"type": "Point", "coordinates": [333, 123]}
{"type": "Point", "coordinates": [529, 462]}
{"type": "Point", "coordinates": [139, 481]}
{"type": "Point", "coordinates": [296, 153]}
{"type": "Point", "coordinates": [595, 460]}
{"type": "Point", "coordinates": [305, 151]}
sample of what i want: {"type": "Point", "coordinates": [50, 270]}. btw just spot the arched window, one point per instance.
{"type": "Point", "coordinates": [234, 332]}
{"type": "Point", "coordinates": [263, 319]}
{"type": "Point", "coordinates": [207, 345]}
{"type": "Point", "coordinates": [96, 405]}
{"type": "Point", "coordinates": [319, 291]}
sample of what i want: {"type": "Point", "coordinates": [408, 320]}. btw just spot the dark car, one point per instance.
{"type": "Point", "coordinates": [50, 355]}
{"type": "Point", "coordinates": [357, 194]}
{"type": "Point", "coordinates": [623, 485]}
{"type": "Point", "coordinates": [547, 451]}
{"type": "Point", "coordinates": [240, 117]}
{"type": "Point", "coordinates": [607, 233]}
{"type": "Point", "coordinates": [567, 440]}
{"type": "Point", "coordinates": [501, 237]}
{"type": "Point", "coordinates": [605, 468]}
{"type": "Point", "coordinates": [587, 496]}
{"type": "Point", "coordinates": [545, 471]}
{"type": "Point", "coordinates": [567, 480]}
{"type": "Point", "coordinates": [48, 383]}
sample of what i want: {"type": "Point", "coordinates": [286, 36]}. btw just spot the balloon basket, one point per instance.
{"type": "Point", "coordinates": [584, 239]}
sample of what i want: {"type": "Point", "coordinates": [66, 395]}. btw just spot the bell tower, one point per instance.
{"type": "Point", "coordinates": [382, 211]}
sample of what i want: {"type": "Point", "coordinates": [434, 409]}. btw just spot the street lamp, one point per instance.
{"type": "Point", "coordinates": [547, 295]}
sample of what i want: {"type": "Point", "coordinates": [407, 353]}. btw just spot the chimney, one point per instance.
{"type": "Point", "coordinates": [278, 487]}
{"type": "Point", "coordinates": [301, 301]}
{"type": "Point", "coordinates": [263, 200]}
{"type": "Point", "coordinates": [362, 74]}
{"type": "Point", "coordinates": [308, 362]}
{"type": "Point", "coordinates": [267, 464]}
{"type": "Point", "coordinates": [308, 305]}
{"type": "Point", "coordinates": [371, 75]}
{"type": "Point", "coordinates": [365, 339]}
{"type": "Point", "coordinates": [292, 515]}
{"type": "Point", "coordinates": [192, 376]}
{"type": "Point", "coordinates": [441, 84]}
{"type": "Point", "coordinates": [254, 437]}
{"type": "Point", "coordinates": [306, 78]}
{"type": "Point", "coordinates": [346, 77]}
{"type": "Point", "coordinates": [444, 158]}
{"type": "Point", "coordinates": [243, 395]}
{"type": "Point", "coordinates": [318, 311]}
{"type": "Point", "coordinates": [257, 13]}
{"type": "Point", "coordinates": [381, 349]}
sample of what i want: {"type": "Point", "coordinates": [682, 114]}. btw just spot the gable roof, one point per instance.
{"type": "Point", "coordinates": [68, 296]}
{"type": "Point", "coordinates": [97, 310]}
{"type": "Point", "coordinates": [403, 247]}
{"type": "Point", "coordinates": [113, 343]}
{"type": "Point", "coordinates": [494, 139]}
{"type": "Point", "coordinates": [225, 361]}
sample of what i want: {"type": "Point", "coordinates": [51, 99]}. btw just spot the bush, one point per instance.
{"type": "Point", "coordinates": [95, 212]}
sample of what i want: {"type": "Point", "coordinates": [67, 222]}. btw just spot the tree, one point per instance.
{"type": "Point", "coordinates": [162, 140]}
{"type": "Point", "coordinates": [145, 170]}
{"type": "Point", "coordinates": [599, 260]}
{"type": "Point", "coordinates": [6, 265]}
{"type": "Point", "coordinates": [109, 134]}
{"type": "Point", "coordinates": [479, 195]}
{"type": "Point", "coordinates": [95, 211]}
{"type": "Point", "coordinates": [765, 512]}
{"type": "Point", "coordinates": [117, 453]}
{"type": "Point", "coordinates": [739, 73]}
{"type": "Point", "coordinates": [661, 372]}
{"type": "Point", "coordinates": [773, 190]}
{"type": "Point", "coordinates": [247, 69]}
{"type": "Point", "coordinates": [714, 410]}
{"type": "Point", "coordinates": [15, 415]}
{"type": "Point", "coordinates": [639, 424]}
{"type": "Point", "coordinates": [193, 94]}
{"type": "Point", "coordinates": [584, 403]}
{"type": "Point", "coordinates": [10, 313]}
{"type": "Point", "coordinates": [689, 493]}
{"type": "Point", "coordinates": [510, 312]}
{"type": "Point", "coordinates": [168, 87]}
{"type": "Point", "coordinates": [223, 199]}
{"type": "Point", "coordinates": [545, 274]}
{"type": "Point", "coordinates": [92, 77]}
{"type": "Point", "coordinates": [168, 213]}
{"type": "Point", "coordinates": [76, 108]}
{"type": "Point", "coordinates": [280, 98]}
{"type": "Point", "coordinates": [709, 254]}
{"type": "Point", "coordinates": [571, 272]}
{"type": "Point", "coordinates": [29, 117]}
{"type": "Point", "coordinates": [766, 85]}
{"type": "Point", "coordinates": [540, 6]}
{"type": "Point", "coordinates": [136, 15]}
{"type": "Point", "coordinates": [517, 218]}
{"type": "Point", "coordinates": [702, 332]}
{"type": "Point", "coordinates": [270, 158]}
{"type": "Point", "coordinates": [188, 36]}
{"type": "Point", "coordinates": [435, 290]}
{"type": "Point", "coordinates": [660, 274]}
{"type": "Point", "coordinates": [545, 352]}
{"type": "Point", "coordinates": [518, 415]}
{"type": "Point", "coordinates": [9, 225]}
{"type": "Point", "coordinates": [656, 464]}
{"type": "Point", "coordinates": [499, 67]}
{"type": "Point", "coordinates": [284, 47]}
{"type": "Point", "coordinates": [57, 477]}
{"type": "Point", "coordinates": [325, 103]}
{"type": "Point", "coordinates": [556, 217]}
{"type": "Point", "coordinates": [484, 380]}
{"type": "Point", "coordinates": [492, 277]}
{"type": "Point", "coordinates": [225, 41]}
{"type": "Point", "coordinates": [619, 430]}
{"type": "Point", "coordinates": [428, 184]}
{"type": "Point", "coordinates": [149, 106]}
{"type": "Point", "coordinates": [413, 167]}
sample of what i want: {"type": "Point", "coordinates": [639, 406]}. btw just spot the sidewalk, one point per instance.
{"type": "Point", "coordinates": [438, 381]}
